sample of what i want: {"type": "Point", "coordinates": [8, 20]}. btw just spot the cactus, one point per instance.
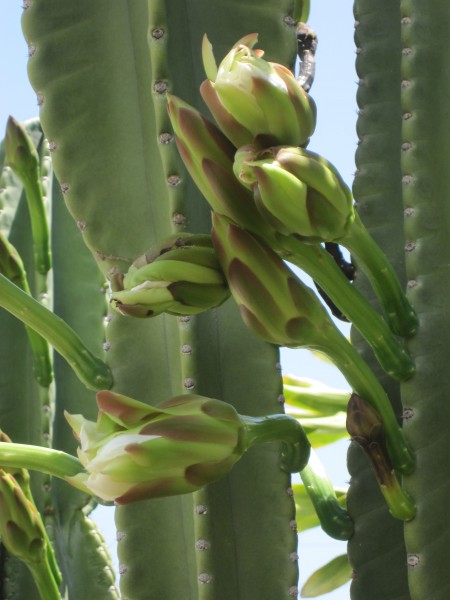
{"type": "Point", "coordinates": [102, 174]}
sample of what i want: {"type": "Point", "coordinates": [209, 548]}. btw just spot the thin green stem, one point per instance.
{"type": "Point", "coordinates": [45, 581]}
{"type": "Point", "coordinates": [319, 265]}
{"type": "Point", "coordinates": [365, 384]}
{"type": "Point", "coordinates": [39, 223]}
{"type": "Point", "coordinates": [270, 428]}
{"type": "Point", "coordinates": [334, 520]}
{"type": "Point", "coordinates": [37, 458]}
{"type": "Point", "coordinates": [383, 278]}
{"type": "Point", "coordinates": [92, 371]}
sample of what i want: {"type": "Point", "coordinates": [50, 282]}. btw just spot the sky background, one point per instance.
{"type": "Point", "coordinates": [334, 92]}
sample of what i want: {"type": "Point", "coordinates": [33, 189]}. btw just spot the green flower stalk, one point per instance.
{"type": "Point", "coordinates": [250, 97]}
{"type": "Point", "coordinates": [11, 266]}
{"type": "Point", "coordinates": [280, 309]}
{"type": "Point", "coordinates": [23, 534]}
{"type": "Point", "coordinates": [208, 156]}
{"type": "Point", "coordinates": [334, 519]}
{"type": "Point", "coordinates": [22, 157]}
{"type": "Point", "coordinates": [300, 193]}
{"type": "Point", "coordinates": [92, 371]}
{"type": "Point", "coordinates": [182, 276]}
{"type": "Point", "coordinates": [366, 429]}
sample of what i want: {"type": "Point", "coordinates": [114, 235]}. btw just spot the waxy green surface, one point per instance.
{"type": "Point", "coordinates": [102, 110]}
{"type": "Point", "coordinates": [376, 550]}
{"type": "Point", "coordinates": [425, 153]}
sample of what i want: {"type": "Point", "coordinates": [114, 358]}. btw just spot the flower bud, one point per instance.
{"type": "Point", "coordinates": [182, 276]}
{"type": "Point", "coordinates": [208, 156]}
{"type": "Point", "coordinates": [23, 533]}
{"type": "Point", "coordinates": [273, 302]}
{"type": "Point", "coordinates": [297, 192]}
{"type": "Point", "coordinates": [135, 451]}
{"type": "Point", "coordinates": [366, 429]}
{"type": "Point", "coordinates": [251, 97]}
{"type": "Point", "coordinates": [21, 155]}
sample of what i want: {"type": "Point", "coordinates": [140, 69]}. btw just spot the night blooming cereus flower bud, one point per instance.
{"type": "Point", "coordinates": [297, 192]}
{"type": "Point", "coordinates": [273, 302]}
{"type": "Point", "coordinates": [249, 97]}
{"type": "Point", "coordinates": [181, 276]}
{"type": "Point", "coordinates": [135, 451]}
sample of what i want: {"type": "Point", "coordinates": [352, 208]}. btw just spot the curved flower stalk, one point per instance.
{"type": "Point", "coordinates": [280, 309]}
{"type": "Point", "coordinates": [300, 193]}
{"type": "Point", "coordinates": [181, 276]}
{"type": "Point", "coordinates": [250, 97]}
{"type": "Point", "coordinates": [334, 519]}
{"type": "Point", "coordinates": [208, 156]}
{"type": "Point", "coordinates": [92, 371]}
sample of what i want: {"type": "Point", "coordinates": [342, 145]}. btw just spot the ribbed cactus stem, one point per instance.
{"type": "Point", "coordinates": [378, 543]}
{"type": "Point", "coordinates": [91, 370]}
{"type": "Point", "coordinates": [425, 179]}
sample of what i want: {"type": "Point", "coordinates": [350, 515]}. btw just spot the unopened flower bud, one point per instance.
{"type": "Point", "coordinates": [135, 451]}
{"type": "Point", "coordinates": [366, 429]}
{"type": "Point", "coordinates": [23, 533]}
{"type": "Point", "coordinates": [273, 302]}
{"type": "Point", "coordinates": [182, 276]}
{"type": "Point", "coordinates": [249, 97]}
{"type": "Point", "coordinates": [297, 192]}
{"type": "Point", "coordinates": [21, 155]}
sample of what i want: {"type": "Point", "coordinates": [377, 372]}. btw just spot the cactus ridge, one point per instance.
{"type": "Point", "coordinates": [425, 188]}
{"type": "Point", "coordinates": [377, 545]}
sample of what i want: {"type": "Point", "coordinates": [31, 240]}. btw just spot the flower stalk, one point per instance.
{"type": "Point", "coordinates": [92, 371]}
{"type": "Point", "coordinates": [334, 519]}
{"type": "Point", "coordinates": [11, 266]}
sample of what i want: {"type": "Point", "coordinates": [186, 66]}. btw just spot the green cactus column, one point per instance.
{"type": "Point", "coordinates": [377, 550]}
{"type": "Point", "coordinates": [425, 151]}
{"type": "Point", "coordinates": [101, 83]}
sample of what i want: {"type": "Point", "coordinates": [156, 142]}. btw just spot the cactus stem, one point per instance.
{"type": "Point", "coordinates": [90, 370]}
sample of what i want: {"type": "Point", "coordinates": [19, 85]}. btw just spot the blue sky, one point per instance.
{"type": "Point", "coordinates": [334, 92]}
